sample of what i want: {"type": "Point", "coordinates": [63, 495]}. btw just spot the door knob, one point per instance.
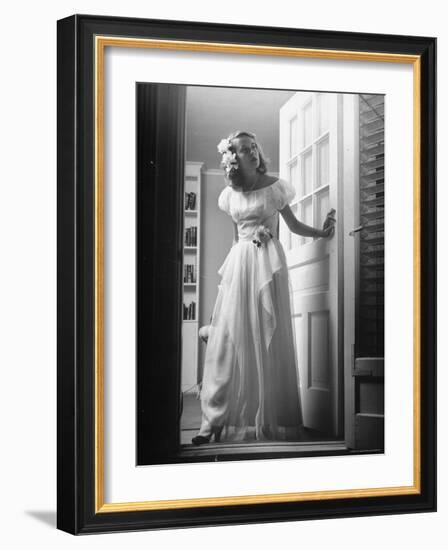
{"type": "Point", "coordinates": [356, 230]}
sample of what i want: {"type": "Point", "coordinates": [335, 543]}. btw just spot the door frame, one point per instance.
{"type": "Point", "coordinates": [351, 258]}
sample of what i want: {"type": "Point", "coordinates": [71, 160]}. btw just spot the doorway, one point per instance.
{"type": "Point", "coordinates": [314, 141]}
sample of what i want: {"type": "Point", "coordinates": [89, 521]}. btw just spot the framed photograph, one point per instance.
{"type": "Point", "coordinates": [246, 274]}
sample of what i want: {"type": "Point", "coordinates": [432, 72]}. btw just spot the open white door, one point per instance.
{"type": "Point", "coordinates": [310, 153]}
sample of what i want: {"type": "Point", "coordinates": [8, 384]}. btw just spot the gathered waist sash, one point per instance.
{"type": "Point", "coordinates": [250, 238]}
{"type": "Point", "coordinates": [259, 233]}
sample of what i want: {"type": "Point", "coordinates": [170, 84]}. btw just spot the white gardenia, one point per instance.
{"type": "Point", "coordinates": [224, 145]}
{"type": "Point", "coordinates": [228, 157]}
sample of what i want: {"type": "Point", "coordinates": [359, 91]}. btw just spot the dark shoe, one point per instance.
{"type": "Point", "coordinates": [202, 439]}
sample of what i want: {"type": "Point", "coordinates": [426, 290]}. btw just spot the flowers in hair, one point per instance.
{"type": "Point", "coordinates": [261, 236]}
{"type": "Point", "coordinates": [224, 145]}
{"type": "Point", "coordinates": [229, 161]}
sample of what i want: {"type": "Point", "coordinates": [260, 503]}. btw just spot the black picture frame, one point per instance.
{"type": "Point", "coordinates": [81, 506]}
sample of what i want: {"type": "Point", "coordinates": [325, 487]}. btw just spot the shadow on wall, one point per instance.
{"type": "Point", "coordinates": [48, 517]}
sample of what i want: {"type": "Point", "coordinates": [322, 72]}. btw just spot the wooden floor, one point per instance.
{"type": "Point", "coordinates": [191, 422]}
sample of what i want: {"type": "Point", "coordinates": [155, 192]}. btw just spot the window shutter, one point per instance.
{"type": "Point", "coordinates": [370, 337]}
{"type": "Point", "coordinates": [368, 360]}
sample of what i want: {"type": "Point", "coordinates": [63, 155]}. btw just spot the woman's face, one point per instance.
{"type": "Point", "coordinates": [247, 153]}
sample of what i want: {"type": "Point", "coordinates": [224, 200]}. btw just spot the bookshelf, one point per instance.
{"type": "Point", "coordinates": [192, 267]}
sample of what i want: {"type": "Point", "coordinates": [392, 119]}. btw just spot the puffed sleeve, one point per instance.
{"type": "Point", "coordinates": [223, 200]}
{"type": "Point", "coordinates": [284, 193]}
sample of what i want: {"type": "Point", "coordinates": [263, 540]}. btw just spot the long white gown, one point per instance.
{"type": "Point", "coordinates": [250, 381]}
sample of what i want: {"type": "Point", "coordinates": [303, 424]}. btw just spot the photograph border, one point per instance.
{"type": "Point", "coordinates": [82, 41]}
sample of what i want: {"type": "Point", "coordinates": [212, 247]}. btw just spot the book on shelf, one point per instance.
{"type": "Point", "coordinates": [191, 236]}
{"type": "Point", "coordinates": [190, 201]}
{"type": "Point", "coordinates": [189, 273]}
{"type": "Point", "coordinates": [190, 312]}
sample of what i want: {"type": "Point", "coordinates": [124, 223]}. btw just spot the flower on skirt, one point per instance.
{"type": "Point", "coordinates": [261, 236]}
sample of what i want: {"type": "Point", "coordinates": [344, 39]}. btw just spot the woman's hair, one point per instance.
{"type": "Point", "coordinates": [235, 176]}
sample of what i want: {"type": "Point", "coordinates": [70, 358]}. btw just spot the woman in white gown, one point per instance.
{"type": "Point", "coordinates": [250, 385]}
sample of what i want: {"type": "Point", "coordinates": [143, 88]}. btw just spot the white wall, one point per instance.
{"type": "Point", "coordinates": [216, 241]}
{"type": "Point", "coordinates": [28, 275]}
{"type": "Point", "coordinates": [213, 113]}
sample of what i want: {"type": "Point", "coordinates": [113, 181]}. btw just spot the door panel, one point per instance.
{"type": "Point", "coordinates": [309, 159]}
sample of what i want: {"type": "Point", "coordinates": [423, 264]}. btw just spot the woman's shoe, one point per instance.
{"type": "Point", "coordinates": [202, 439]}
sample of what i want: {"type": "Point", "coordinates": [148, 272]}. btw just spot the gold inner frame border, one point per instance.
{"type": "Point", "coordinates": [101, 42]}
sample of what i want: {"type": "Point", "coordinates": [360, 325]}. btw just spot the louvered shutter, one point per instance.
{"type": "Point", "coordinates": [370, 325]}
{"type": "Point", "coordinates": [368, 367]}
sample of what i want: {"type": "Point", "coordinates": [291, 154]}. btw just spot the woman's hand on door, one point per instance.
{"type": "Point", "coordinates": [329, 223]}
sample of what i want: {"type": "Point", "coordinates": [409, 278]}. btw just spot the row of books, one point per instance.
{"type": "Point", "coordinates": [190, 312]}
{"type": "Point", "coordinates": [189, 273]}
{"type": "Point", "coordinates": [190, 201]}
{"type": "Point", "coordinates": [191, 236]}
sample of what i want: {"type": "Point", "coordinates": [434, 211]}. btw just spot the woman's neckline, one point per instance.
{"type": "Point", "coordinates": [259, 189]}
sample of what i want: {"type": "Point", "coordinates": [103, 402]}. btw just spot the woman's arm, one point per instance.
{"type": "Point", "coordinates": [300, 228]}
{"type": "Point", "coordinates": [235, 233]}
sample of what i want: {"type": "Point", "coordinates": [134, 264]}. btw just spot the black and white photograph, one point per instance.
{"type": "Point", "coordinates": [222, 275]}
{"type": "Point", "coordinates": [282, 272]}
{"type": "Point", "coordinates": [246, 260]}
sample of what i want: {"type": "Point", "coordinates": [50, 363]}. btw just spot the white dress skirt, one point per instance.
{"type": "Point", "coordinates": [250, 381]}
